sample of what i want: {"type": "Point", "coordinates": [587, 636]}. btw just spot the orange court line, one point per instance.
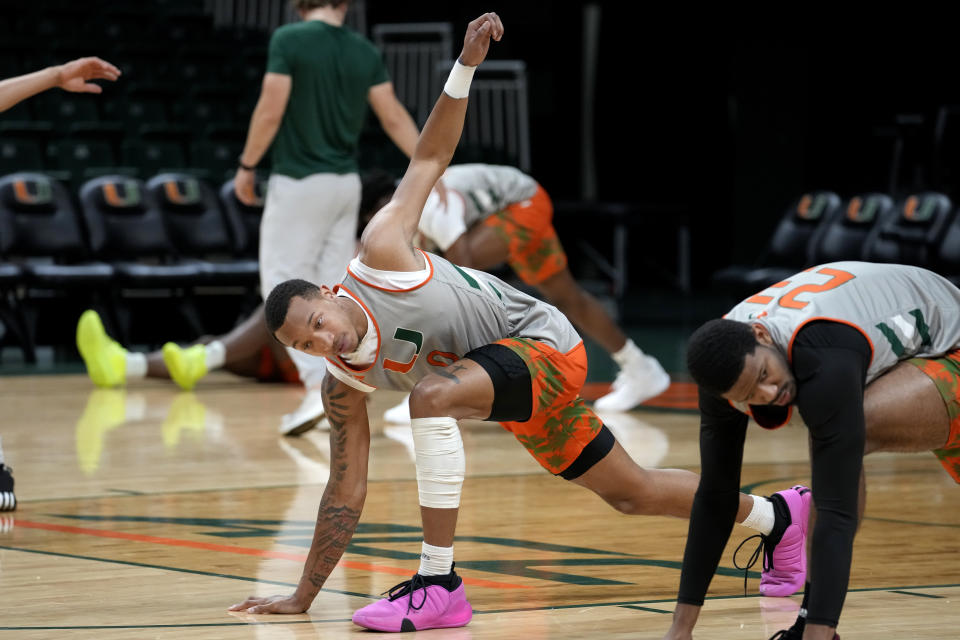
{"type": "Point", "coordinates": [262, 553]}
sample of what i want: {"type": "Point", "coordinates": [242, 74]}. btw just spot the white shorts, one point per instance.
{"type": "Point", "coordinates": [308, 231]}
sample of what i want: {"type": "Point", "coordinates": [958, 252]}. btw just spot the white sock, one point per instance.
{"type": "Point", "coordinates": [216, 355]}
{"type": "Point", "coordinates": [627, 353]}
{"type": "Point", "coordinates": [136, 365]}
{"type": "Point", "coordinates": [435, 561]}
{"type": "Point", "coordinates": [134, 407]}
{"type": "Point", "coordinates": [761, 516]}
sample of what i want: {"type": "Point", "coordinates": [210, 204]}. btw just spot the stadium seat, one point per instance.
{"type": "Point", "coordinates": [154, 153]}
{"type": "Point", "coordinates": [200, 228]}
{"type": "Point", "coordinates": [248, 216]}
{"type": "Point", "coordinates": [62, 108]}
{"type": "Point", "coordinates": [913, 234]}
{"type": "Point", "coordinates": [790, 249]}
{"type": "Point", "coordinates": [216, 152]}
{"type": "Point", "coordinates": [946, 259]}
{"type": "Point", "coordinates": [127, 229]}
{"type": "Point", "coordinates": [20, 154]}
{"type": "Point", "coordinates": [11, 314]}
{"type": "Point", "coordinates": [48, 246]}
{"type": "Point", "coordinates": [847, 235]}
{"type": "Point", "coordinates": [76, 157]}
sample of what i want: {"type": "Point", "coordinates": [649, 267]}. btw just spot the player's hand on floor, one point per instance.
{"type": "Point", "coordinates": [477, 40]}
{"type": "Point", "coordinates": [271, 604]}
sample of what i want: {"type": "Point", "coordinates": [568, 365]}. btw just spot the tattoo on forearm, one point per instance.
{"type": "Point", "coordinates": [335, 527]}
{"type": "Point", "coordinates": [337, 415]}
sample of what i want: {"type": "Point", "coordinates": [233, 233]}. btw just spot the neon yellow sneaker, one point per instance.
{"type": "Point", "coordinates": [186, 366]}
{"type": "Point", "coordinates": [105, 359]}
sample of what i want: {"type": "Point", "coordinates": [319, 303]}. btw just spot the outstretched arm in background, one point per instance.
{"type": "Point", "coordinates": [72, 76]}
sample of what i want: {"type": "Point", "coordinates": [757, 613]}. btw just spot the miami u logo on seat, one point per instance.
{"type": "Point", "coordinates": [121, 194]}
{"type": "Point", "coordinates": [41, 193]}
{"type": "Point", "coordinates": [182, 191]}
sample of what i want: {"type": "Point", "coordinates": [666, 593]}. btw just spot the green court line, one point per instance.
{"type": "Point", "coordinates": [914, 522]}
{"type": "Point", "coordinates": [919, 595]}
{"type": "Point", "coordinates": [651, 609]}
{"type": "Point", "coordinates": [178, 569]}
{"type": "Point", "coordinates": [631, 604]}
{"type": "Point", "coordinates": [748, 488]}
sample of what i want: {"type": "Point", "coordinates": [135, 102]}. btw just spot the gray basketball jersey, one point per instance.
{"type": "Point", "coordinates": [428, 326]}
{"type": "Point", "coordinates": [903, 311]}
{"type": "Point", "coordinates": [487, 189]}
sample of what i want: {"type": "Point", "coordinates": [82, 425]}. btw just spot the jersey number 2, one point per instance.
{"type": "Point", "coordinates": [789, 299]}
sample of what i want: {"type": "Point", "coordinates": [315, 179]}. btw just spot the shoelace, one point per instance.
{"type": "Point", "coordinates": [408, 586]}
{"type": "Point", "coordinates": [794, 634]}
{"type": "Point", "coordinates": [762, 548]}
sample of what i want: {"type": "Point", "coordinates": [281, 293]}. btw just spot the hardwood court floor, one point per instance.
{"type": "Point", "coordinates": [146, 512]}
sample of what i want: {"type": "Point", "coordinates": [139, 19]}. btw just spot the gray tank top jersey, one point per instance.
{"type": "Point", "coordinates": [904, 311]}
{"type": "Point", "coordinates": [457, 310]}
{"type": "Point", "coordinates": [487, 188]}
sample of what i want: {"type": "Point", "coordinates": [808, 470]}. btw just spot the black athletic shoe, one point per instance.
{"type": "Point", "coordinates": [8, 501]}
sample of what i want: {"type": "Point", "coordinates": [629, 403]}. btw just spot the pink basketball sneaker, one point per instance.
{"type": "Point", "coordinates": [785, 570]}
{"type": "Point", "coordinates": [423, 602]}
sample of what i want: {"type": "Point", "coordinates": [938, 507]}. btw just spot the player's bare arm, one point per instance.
{"type": "Point", "coordinates": [342, 500]}
{"type": "Point", "coordinates": [72, 76]}
{"type": "Point", "coordinates": [387, 241]}
{"type": "Point", "coordinates": [264, 124]}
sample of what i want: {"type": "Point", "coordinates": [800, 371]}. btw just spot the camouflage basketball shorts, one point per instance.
{"type": "Point", "coordinates": [945, 373]}
{"type": "Point", "coordinates": [535, 252]}
{"type": "Point", "coordinates": [561, 425]}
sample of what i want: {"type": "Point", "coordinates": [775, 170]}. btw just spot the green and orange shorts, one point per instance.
{"type": "Point", "coordinates": [562, 433]}
{"type": "Point", "coordinates": [275, 368]}
{"type": "Point", "coordinates": [535, 252]}
{"type": "Point", "coordinates": [945, 373]}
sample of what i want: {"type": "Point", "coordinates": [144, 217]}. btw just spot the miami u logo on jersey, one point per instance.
{"type": "Point", "coordinates": [405, 335]}
{"type": "Point", "coordinates": [435, 358]}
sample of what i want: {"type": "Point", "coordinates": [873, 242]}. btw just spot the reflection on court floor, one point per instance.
{"type": "Point", "coordinates": [146, 512]}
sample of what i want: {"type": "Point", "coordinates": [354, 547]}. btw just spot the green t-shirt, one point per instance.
{"type": "Point", "coordinates": [331, 69]}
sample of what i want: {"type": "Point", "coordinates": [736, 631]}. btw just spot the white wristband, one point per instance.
{"type": "Point", "coordinates": [458, 82]}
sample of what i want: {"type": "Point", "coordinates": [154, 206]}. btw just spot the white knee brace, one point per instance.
{"type": "Point", "coordinates": [440, 461]}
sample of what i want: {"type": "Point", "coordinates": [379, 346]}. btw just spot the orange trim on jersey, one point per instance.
{"type": "Point", "coordinates": [809, 320]}
{"type": "Point", "coordinates": [414, 288]}
{"type": "Point", "coordinates": [343, 363]}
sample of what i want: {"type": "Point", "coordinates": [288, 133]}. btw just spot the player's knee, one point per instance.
{"type": "Point", "coordinates": [429, 397]}
{"type": "Point", "coordinates": [628, 505]}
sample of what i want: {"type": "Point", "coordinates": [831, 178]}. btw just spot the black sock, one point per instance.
{"type": "Point", "coordinates": [781, 519]}
{"type": "Point", "coordinates": [449, 581]}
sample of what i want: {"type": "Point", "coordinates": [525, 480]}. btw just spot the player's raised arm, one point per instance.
{"type": "Point", "coordinates": [387, 241]}
{"type": "Point", "coordinates": [342, 500]}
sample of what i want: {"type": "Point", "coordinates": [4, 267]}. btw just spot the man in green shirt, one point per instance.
{"type": "Point", "coordinates": [319, 80]}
